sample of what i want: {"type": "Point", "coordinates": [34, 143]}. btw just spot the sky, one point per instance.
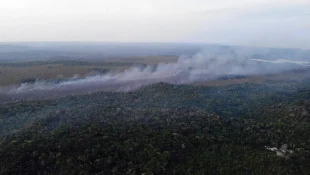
{"type": "Point", "coordinates": [272, 23]}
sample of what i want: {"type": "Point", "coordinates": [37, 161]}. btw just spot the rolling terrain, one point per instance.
{"type": "Point", "coordinates": [161, 129]}
{"type": "Point", "coordinates": [220, 111]}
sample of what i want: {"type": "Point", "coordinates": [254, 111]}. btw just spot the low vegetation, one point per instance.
{"type": "Point", "coordinates": [51, 69]}
{"type": "Point", "coordinates": [161, 129]}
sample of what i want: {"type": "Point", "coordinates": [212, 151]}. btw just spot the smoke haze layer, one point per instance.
{"type": "Point", "coordinates": [204, 66]}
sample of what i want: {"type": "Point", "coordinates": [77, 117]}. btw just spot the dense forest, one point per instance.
{"type": "Point", "coordinates": [161, 129]}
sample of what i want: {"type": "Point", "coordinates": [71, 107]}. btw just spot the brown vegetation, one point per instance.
{"type": "Point", "coordinates": [12, 74]}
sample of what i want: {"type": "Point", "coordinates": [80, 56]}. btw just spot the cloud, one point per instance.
{"type": "Point", "coordinates": [228, 22]}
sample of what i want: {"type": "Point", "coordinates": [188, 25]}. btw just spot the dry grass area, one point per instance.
{"type": "Point", "coordinates": [15, 74]}
{"type": "Point", "coordinates": [146, 59]}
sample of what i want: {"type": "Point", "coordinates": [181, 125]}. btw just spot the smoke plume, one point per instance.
{"type": "Point", "coordinates": [204, 66]}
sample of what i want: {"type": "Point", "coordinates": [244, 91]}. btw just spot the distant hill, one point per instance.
{"type": "Point", "coordinates": [20, 52]}
{"type": "Point", "coordinates": [8, 47]}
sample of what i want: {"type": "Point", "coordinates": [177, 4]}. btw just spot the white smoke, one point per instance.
{"type": "Point", "coordinates": [282, 61]}
{"type": "Point", "coordinates": [203, 66]}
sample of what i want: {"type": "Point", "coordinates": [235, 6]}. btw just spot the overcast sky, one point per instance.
{"type": "Point", "coordinates": [276, 23]}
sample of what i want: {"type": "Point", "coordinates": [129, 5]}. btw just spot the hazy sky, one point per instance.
{"type": "Point", "coordinates": [277, 23]}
